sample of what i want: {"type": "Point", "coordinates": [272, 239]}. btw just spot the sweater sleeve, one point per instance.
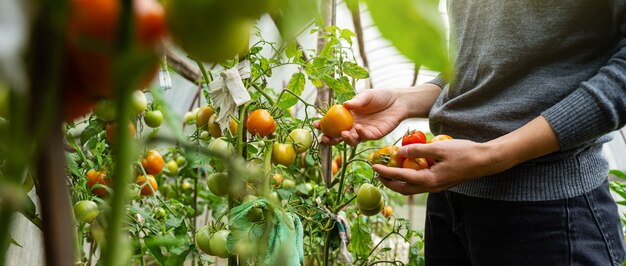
{"type": "Point", "coordinates": [597, 106]}
{"type": "Point", "coordinates": [439, 80]}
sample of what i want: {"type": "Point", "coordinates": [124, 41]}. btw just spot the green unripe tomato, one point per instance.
{"type": "Point", "coordinates": [153, 118]}
{"type": "Point", "coordinates": [172, 167]}
{"type": "Point", "coordinates": [301, 139]}
{"type": "Point", "coordinates": [219, 184]}
{"type": "Point", "coordinates": [134, 192]}
{"type": "Point", "coordinates": [220, 145]}
{"type": "Point", "coordinates": [86, 211]}
{"type": "Point", "coordinates": [255, 214]}
{"type": "Point", "coordinates": [190, 118]}
{"type": "Point", "coordinates": [203, 240]}
{"type": "Point", "coordinates": [159, 213]}
{"type": "Point", "coordinates": [374, 211]}
{"type": "Point", "coordinates": [218, 243]}
{"type": "Point", "coordinates": [181, 160]}
{"type": "Point", "coordinates": [139, 102]}
{"type": "Point", "coordinates": [289, 184]}
{"type": "Point", "coordinates": [368, 197]}
{"type": "Point", "coordinates": [205, 135]}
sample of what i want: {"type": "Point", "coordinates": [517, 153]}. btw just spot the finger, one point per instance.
{"type": "Point", "coordinates": [359, 101]}
{"type": "Point", "coordinates": [401, 187]}
{"type": "Point", "coordinates": [421, 151]}
{"type": "Point", "coordinates": [411, 176]}
{"type": "Point", "coordinates": [351, 137]}
{"type": "Point", "coordinates": [316, 124]}
{"type": "Point", "coordinates": [364, 133]}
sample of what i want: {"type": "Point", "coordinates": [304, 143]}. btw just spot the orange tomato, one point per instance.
{"type": "Point", "coordinates": [387, 211]}
{"type": "Point", "coordinates": [335, 167]}
{"type": "Point", "coordinates": [277, 180]}
{"type": "Point", "coordinates": [261, 123]}
{"type": "Point", "coordinates": [153, 162]}
{"type": "Point", "coordinates": [203, 115]}
{"type": "Point", "coordinates": [336, 120]}
{"type": "Point", "coordinates": [147, 190]}
{"type": "Point", "coordinates": [439, 138]}
{"type": "Point", "coordinates": [98, 177]}
{"type": "Point", "coordinates": [388, 156]}
{"type": "Point", "coordinates": [417, 163]}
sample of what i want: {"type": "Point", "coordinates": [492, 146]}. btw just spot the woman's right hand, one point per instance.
{"type": "Point", "coordinates": [377, 112]}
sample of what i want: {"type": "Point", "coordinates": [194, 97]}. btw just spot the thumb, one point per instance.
{"type": "Point", "coordinates": [419, 151]}
{"type": "Point", "coordinates": [359, 101]}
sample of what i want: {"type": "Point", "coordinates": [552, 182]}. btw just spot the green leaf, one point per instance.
{"type": "Point", "coordinates": [361, 238]}
{"type": "Point", "coordinates": [72, 165]}
{"type": "Point", "coordinates": [30, 212]}
{"type": "Point", "coordinates": [354, 70]}
{"type": "Point", "coordinates": [296, 15]}
{"type": "Point", "coordinates": [92, 130]}
{"type": "Point", "coordinates": [416, 29]}
{"type": "Point", "coordinates": [347, 35]}
{"type": "Point", "coordinates": [618, 174]}
{"type": "Point", "coordinates": [14, 242]}
{"type": "Point", "coordinates": [296, 85]}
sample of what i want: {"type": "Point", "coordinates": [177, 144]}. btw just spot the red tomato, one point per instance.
{"type": "Point", "coordinates": [92, 34]}
{"type": "Point", "coordinates": [261, 123]}
{"type": "Point", "coordinates": [413, 137]}
{"type": "Point", "coordinates": [336, 120]}
{"type": "Point", "coordinates": [417, 163]}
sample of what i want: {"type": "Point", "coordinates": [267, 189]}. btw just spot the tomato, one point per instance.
{"type": "Point", "coordinates": [186, 186]}
{"type": "Point", "coordinates": [440, 138]}
{"type": "Point", "coordinates": [221, 145]}
{"type": "Point", "coordinates": [255, 214]}
{"type": "Point", "coordinates": [98, 177]}
{"type": "Point", "coordinates": [172, 167]}
{"type": "Point", "coordinates": [111, 131]}
{"type": "Point", "coordinates": [260, 123]}
{"type": "Point", "coordinates": [248, 8]}
{"type": "Point", "coordinates": [277, 180]}
{"type": "Point", "coordinates": [417, 163]}
{"type": "Point", "coordinates": [181, 160]}
{"type": "Point", "coordinates": [189, 118]}
{"type": "Point", "coordinates": [205, 135]}
{"type": "Point", "coordinates": [301, 139]}
{"type": "Point", "coordinates": [153, 118]}
{"type": "Point", "coordinates": [105, 110]}
{"type": "Point", "coordinates": [214, 127]}
{"type": "Point", "coordinates": [339, 160]}
{"type": "Point", "coordinates": [273, 197]}
{"type": "Point", "coordinates": [219, 184]}
{"type": "Point", "coordinates": [218, 243]}
{"type": "Point", "coordinates": [138, 102]}
{"type": "Point", "coordinates": [283, 154]}
{"type": "Point", "coordinates": [388, 156]}
{"type": "Point", "coordinates": [233, 126]}
{"type": "Point", "coordinates": [376, 210]}
{"type": "Point", "coordinates": [368, 197]}
{"type": "Point", "coordinates": [203, 115]}
{"type": "Point", "coordinates": [336, 120]}
{"type": "Point", "coordinates": [413, 137]}
{"type": "Point", "coordinates": [221, 37]}
{"type": "Point", "coordinates": [203, 238]}
{"type": "Point", "coordinates": [167, 190]}
{"type": "Point", "coordinates": [387, 211]}
{"type": "Point", "coordinates": [289, 184]}
{"type": "Point", "coordinates": [147, 190]}
{"type": "Point", "coordinates": [159, 213]}
{"type": "Point", "coordinates": [92, 38]}
{"type": "Point", "coordinates": [153, 162]}
{"type": "Point", "coordinates": [335, 167]}
{"type": "Point", "coordinates": [86, 211]}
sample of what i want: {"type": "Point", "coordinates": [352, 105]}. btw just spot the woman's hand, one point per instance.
{"type": "Point", "coordinates": [462, 160]}
{"type": "Point", "coordinates": [377, 112]}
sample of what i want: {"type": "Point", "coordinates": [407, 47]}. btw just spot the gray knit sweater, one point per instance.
{"type": "Point", "coordinates": [516, 60]}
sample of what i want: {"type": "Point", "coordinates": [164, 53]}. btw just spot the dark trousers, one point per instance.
{"type": "Point", "coordinates": [583, 230]}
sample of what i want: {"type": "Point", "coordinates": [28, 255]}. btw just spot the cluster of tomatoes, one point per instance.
{"type": "Point", "coordinates": [389, 156]}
